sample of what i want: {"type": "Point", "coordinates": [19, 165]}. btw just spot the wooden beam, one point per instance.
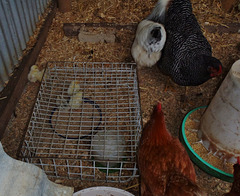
{"type": "Point", "coordinates": [12, 92]}
{"type": "Point", "coordinates": [72, 29]}
{"type": "Point", "coordinates": [64, 5]}
{"type": "Point", "coordinates": [223, 28]}
{"type": "Point", "coordinates": [228, 5]}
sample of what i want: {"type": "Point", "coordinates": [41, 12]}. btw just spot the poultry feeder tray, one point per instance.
{"type": "Point", "coordinates": [191, 123]}
{"type": "Point", "coordinates": [86, 119]}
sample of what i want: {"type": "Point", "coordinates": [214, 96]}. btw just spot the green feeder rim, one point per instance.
{"type": "Point", "coordinates": [205, 166]}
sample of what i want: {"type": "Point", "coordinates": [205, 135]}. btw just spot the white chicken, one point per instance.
{"type": "Point", "coordinates": [108, 146]}
{"type": "Point", "coordinates": [35, 74]}
{"type": "Point", "coordinates": [148, 44]}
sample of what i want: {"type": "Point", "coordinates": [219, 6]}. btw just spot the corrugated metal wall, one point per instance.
{"type": "Point", "coordinates": [18, 20]}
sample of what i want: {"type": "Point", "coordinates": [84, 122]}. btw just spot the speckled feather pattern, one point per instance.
{"type": "Point", "coordinates": [182, 57]}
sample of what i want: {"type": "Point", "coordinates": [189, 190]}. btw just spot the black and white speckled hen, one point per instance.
{"type": "Point", "coordinates": [187, 56]}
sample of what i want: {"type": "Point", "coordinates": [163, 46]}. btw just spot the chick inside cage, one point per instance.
{"type": "Point", "coordinates": [86, 122]}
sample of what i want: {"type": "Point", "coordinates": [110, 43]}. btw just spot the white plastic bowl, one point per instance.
{"type": "Point", "coordinates": [102, 191]}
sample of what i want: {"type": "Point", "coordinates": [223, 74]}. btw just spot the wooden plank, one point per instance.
{"type": "Point", "coordinates": [72, 29]}
{"type": "Point", "coordinates": [228, 5]}
{"type": "Point", "coordinates": [64, 5]}
{"type": "Point", "coordinates": [12, 92]}
{"type": "Point", "coordinates": [223, 28]}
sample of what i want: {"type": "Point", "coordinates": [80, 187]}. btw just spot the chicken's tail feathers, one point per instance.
{"type": "Point", "coordinates": [159, 11]}
{"type": "Point", "coordinates": [238, 160]}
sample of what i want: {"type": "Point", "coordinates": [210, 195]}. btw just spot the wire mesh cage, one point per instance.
{"type": "Point", "coordinates": [86, 122]}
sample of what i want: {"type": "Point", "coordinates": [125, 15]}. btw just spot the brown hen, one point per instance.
{"type": "Point", "coordinates": [235, 190]}
{"type": "Point", "coordinates": [164, 165]}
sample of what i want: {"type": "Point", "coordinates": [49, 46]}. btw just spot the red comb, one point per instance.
{"type": "Point", "coordinates": [220, 68]}
{"type": "Point", "coordinates": [215, 72]}
{"type": "Point", "coordinates": [159, 106]}
{"type": "Point", "coordinates": [238, 160]}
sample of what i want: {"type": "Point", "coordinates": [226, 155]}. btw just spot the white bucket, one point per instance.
{"type": "Point", "coordinates": [220, 124]}
{"type": "Point", "coordinates": [103, 191]}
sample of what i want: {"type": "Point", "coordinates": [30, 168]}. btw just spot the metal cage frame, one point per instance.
{"type": "Point", "coordinates": [86, 122]}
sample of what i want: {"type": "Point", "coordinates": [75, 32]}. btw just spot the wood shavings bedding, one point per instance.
{"type": "Point", "coordinates": [152, 83]}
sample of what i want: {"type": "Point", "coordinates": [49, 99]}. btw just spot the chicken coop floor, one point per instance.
{"type": "Point", "coordinates": [154, 86]}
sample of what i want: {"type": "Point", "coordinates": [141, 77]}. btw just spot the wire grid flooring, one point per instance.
{"type": "Point", "coordinates": [86, 122]}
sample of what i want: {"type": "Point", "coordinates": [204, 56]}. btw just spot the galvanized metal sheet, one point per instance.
{"type": "Point", "coordinates": [18, 19]}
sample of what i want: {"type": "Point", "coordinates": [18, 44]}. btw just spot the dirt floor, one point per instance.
{"type": "Point", "coordinates": [154, 86]}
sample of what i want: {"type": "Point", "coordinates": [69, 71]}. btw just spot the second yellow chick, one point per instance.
{"type": "Point", "coordinates": [76, 100]}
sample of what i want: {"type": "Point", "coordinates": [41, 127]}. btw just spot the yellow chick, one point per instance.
{"type": "Point", "coordinates": [35, 74]}
{"type": "Point", "coordinates": [74, 87]}
{"type": "Point", "coordinates": [76, 100]}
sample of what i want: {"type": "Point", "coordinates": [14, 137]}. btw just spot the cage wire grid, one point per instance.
{"type": "Point", "coordinates": [86, 122]}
